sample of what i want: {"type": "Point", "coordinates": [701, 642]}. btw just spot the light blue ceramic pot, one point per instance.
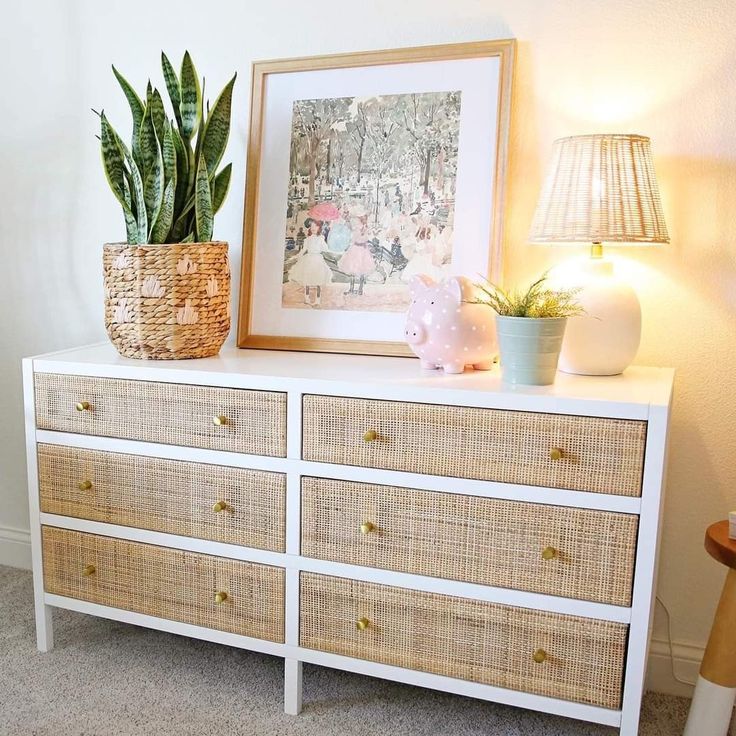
{"type": "Point", "coordinates": [530, 348]}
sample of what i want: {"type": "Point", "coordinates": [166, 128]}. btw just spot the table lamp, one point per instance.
{"type": "Point", "coordinates": [601, 189]}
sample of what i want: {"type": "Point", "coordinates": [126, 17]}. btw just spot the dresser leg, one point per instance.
{"type": "Point", "coordinates": [292, 687]}
{"type": "Point", "coordinates": [44, 627]}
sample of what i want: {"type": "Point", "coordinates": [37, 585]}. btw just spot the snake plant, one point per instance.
{"type": "Point", "coordinates": [167, 180]}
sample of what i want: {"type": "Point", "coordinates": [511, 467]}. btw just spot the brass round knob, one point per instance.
{"type": "Point", "coordinates": [549, 553]}
{"type": "Point", "coordinates": [539, 656]}
{"type": "Point", "coordinates": [219, 506]}
{"type": "Point", "coordinates": [362, 623]}
{"type": "Point", "coordinates": [89, 570]}
{"type": "Point", "coordinates": [85, 485]}
{"type": "Point", "coordinates": [367, 527]}
{"type": "Point", "coordinates": [220, 597]}
{"type": "Point", "coordinates": [370, 435]}
{"type": "Point", "coordinates": [555, 453]}
{"type": "Point", "coordinates": [219, 420]}
{"type": "Point", "coordinates": [83, 406]}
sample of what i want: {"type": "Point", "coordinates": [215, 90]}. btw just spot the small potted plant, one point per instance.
{"type": "Point", "coordinates": [167, 288]}
{"type": "Point", "coordinates": [530, 326]}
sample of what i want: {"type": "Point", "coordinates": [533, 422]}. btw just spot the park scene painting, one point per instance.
{"type": "Point", "coordinates": [371, 199]}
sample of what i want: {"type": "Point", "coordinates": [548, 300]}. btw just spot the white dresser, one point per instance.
{"type": "Point", "coordinates": [354, 512]}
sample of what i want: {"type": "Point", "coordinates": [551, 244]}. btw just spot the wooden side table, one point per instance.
{"type": "Point", "coordinates": [715, 692]}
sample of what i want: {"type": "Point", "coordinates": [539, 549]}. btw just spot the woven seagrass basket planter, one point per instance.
{"type": "Point", "coordinates": [167, 302]}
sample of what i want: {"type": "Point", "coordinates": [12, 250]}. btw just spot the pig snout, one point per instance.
{"type": "Point", "coordinates": [414, 333]}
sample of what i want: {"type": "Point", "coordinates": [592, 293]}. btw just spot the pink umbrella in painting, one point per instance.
{"type": "Point", "coordinates": [324, 211]}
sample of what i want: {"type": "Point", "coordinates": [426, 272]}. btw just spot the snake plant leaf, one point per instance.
{"type": "Point", "coordinates": [136, 109]}
{"type": "Point", "coordinates": [191, 98]}
{"type": "Point", "coordinates": [136, 190]}
{"type": "Point", "coordinates": [158, 114]}
{"type": "Point", "coordinates": [172, 85]}
{"type": "Point", "coordinates": [114, 167]}
{"type": "Point", "coordinates": [203, 204]}
{"type": "Point", "coordinates": [189, 238]}
{"type": "Point", "coordinates": [161, 227]}
{"type": "Point", "coordinates": [217, 127]}
{"type": "Point", "coordinates": [168, 154]}
{"type": "Point", "coordinates": [153, 167]}
{"type": "Point", "coordinates": [182, 169]}
{"type": "Point", "coordinates": [219, 188]}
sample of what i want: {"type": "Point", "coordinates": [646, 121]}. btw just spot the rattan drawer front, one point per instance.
{"type": "Point", "coordinates": [165, 495]}
{"type": "Point", "coordinates": [466, 639]}
{"type": "Point", "coordinates": [169, 413]}
{"type": "Point", "coordinates": [600, 455]}
{"type": "Point", "coordinates": [477, 540]}
{"type": "Point", "coordinates": [168, 583]}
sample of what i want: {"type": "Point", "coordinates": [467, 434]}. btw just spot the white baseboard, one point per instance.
{"type": "Point", "coordinates": [15, 551]}
{"type": "Point", "coordinates": [15, 547]}
{"type": "Point", "coordinates": [687, 658]}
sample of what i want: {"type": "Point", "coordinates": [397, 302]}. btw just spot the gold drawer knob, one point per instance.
{"type": "Point", "coordinates": [362, 623]}
{"type": "Point", "coordinates": [370, 435]}
{"type": "Point", "coordinates": [220, 597]}
{"type": "Point", "coordinates": [85, 485]}
{"type": "Point", "coordinates": [367, 527]}
{"type": "Point", "coordinates": [83, 406]}
{"type": "Point", "coordinates": [549, 553]}
{"type": "Point", "coordinates": [89, 570]}
{"type": "Point", "coordinates": [556, 454]}
{"type": "Point", "coordinates": [219, 420]}
{"type": "Point", "coordinates": [539, 656]}
{"type": "Point", "coordinates": [219, 506]}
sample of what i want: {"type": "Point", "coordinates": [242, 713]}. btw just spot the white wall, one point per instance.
{"type": "Point", "coordinates": [664, 68]}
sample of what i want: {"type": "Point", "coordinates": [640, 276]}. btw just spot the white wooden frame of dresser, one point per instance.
{"type": "Point", "coordinates": [649, 506]}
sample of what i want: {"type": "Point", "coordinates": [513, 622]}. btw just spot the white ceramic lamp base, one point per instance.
{"type": "Point", "coordinates": [604, 340]}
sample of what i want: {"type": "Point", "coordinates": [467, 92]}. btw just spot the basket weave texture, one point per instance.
{"type": "Point", "coordinates": [169, 413]}
{"type": "Point", "coordinates": [466, 639]}
{"type": "Point", "coordinates": [600, 455]}
{"type": "Point", "coordinates": [167, 301]}
{"type": "Point", "coordinates": [477, 540]}
{"type": "Point", "coordinates": [167, 583]}
{"type": "Point", "coordinates": [169, 496]}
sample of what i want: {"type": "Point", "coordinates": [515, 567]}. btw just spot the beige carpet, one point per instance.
{"type": "Point", "coordinates": [110, 678]}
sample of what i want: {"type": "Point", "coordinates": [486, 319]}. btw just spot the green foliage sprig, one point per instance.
{"type": "Point", "coordinates": [537, 301]}
{"type": "Point", "coordinates": [167, 181]}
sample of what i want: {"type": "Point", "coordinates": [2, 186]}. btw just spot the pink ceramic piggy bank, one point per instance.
{"type": "Point", "coordinates": [444, 330]}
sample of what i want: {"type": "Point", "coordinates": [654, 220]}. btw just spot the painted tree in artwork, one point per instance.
{"type": "Point", "coordinates": [313, 123]}
{"type": "Point", "coordinates": [382, 130]}
{"type": "Point", "coordinates": [431, 124]}
{"type": "Point", "coordinates": [357, 130]}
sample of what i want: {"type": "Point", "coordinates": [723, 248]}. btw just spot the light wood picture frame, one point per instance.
{"type": "Point", "coordinates": [316, 212]}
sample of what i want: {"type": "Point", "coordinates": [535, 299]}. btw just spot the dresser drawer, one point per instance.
{"type": "Point", "coordinates": [571, 552]}
{"type": "Point", "coordinates": [165, 495]}
{"type": "Point", "coordinates": [593, 454]}
{"type": "Point", "coordinates": [583, 659]}
{"type": "Point", "coordinates": [252, 422]}
{"type": "Point", "coordinates": [168, 583]}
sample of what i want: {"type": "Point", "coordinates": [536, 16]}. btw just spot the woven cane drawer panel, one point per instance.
{"type": "Point", "coordinates": [169, 413]}
{"type": "Point", "coordinates": [466, 639]}
{"type": "Point", "coordinates": [599, 455]}
{"type": "Point", "coordinates": [590, 554]}
{"type": "Point", "coordinates": [165, 495]}
{"type": "Point", "coordinates": [168, 583]}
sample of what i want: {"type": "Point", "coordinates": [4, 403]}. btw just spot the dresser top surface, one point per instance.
{"type": "Point", "coordinates": [637, 386]}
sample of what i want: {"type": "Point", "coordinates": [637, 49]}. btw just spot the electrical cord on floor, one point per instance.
{"type": "Point", "coordinates": [672, 654]}
{"type": "Point", "coordinates": [669, 643]}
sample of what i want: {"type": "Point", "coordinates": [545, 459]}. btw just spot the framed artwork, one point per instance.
{"type": "Point", "coordinates": [365, 169]}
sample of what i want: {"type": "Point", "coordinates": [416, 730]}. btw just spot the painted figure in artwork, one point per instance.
{"type": "Point", "coordinates": [310, 269]}
{"type": "Point", "coordinates": [357, 261]}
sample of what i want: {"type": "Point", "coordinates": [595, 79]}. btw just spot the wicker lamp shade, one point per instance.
{"type": "Point", "coordinates": [600, 188]}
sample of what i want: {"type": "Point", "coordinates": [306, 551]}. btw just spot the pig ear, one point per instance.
{"type": "Point", "coordinates": [420, 282]}
{"type": "Point", "coordinates": [461, 288]}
